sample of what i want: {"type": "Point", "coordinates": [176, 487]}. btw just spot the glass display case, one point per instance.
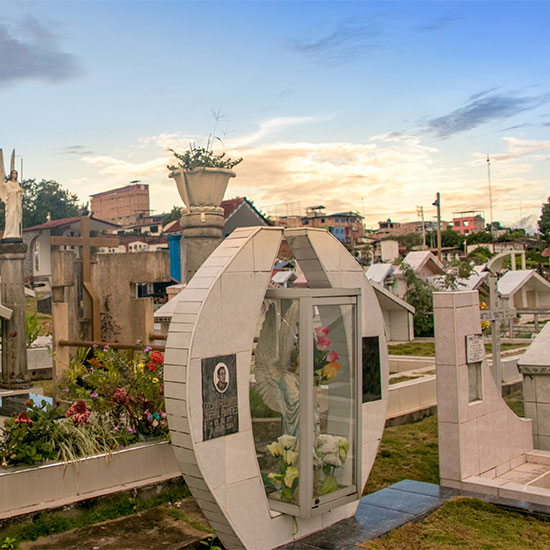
{"type": "Point", "coordinates": [306, 398]}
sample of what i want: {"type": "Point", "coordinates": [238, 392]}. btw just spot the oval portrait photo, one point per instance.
{"type": "Point", "coordinates": [221, 378]}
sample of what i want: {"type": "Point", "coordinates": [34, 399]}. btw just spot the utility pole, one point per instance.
{"type": "Point", "coordinates": [490, 201]}
{"type": "Point", "coordinates": [420, 213]}
{"type": "Point", "coordinates": [438, 204]}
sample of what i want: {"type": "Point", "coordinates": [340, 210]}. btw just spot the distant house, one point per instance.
{"type": "Point", "coordinates": [423, 263]}
{"type": "Point", "coordinates": [526, 289]}
{"type": "Point", "coordinates": [398, 314]}
{"type": "Point", "coordinates": [37, 238]}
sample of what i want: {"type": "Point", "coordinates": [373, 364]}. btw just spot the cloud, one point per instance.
{"type": "Point", "coordinates": [30, 51]}
{"type": "Point", "coordinates": [77, 150]}
{"type": "Point", "coordinates": [338, 45]}
{"type": "Point", "coordinates": [480, 109]}
{"type": "Point", "coordinates": [515, 149]}
{"type": "Point", "coordinates": [273, 125]}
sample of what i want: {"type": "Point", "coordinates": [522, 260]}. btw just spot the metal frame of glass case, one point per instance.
{"type": "Point", "coordinates": [308, 505]}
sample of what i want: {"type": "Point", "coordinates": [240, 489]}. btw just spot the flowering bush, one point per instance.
{"type": "Point", "coordinates": [49, 432]}
{"type": "Point", "coordinates": [330, 452]}
{"type": "Point", "coordinates": [286, 481]}
{"type": "Point", "coordinates": [325, 362]}
{"type": "Point", "coordinates": [127, 390]}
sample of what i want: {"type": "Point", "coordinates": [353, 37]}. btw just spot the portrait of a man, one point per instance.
{"type": "Point", "coordinates": [221, 382]}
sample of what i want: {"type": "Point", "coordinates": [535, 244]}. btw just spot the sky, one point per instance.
{"type": "Point", "coordinates": [366, 106]}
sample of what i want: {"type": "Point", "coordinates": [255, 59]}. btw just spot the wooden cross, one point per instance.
{"type": "Point", "coordinates": [86, 242]}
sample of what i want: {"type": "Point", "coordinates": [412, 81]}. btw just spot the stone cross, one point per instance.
{"type": "Point", "coordinates": [496, 313]}
{"type": "Point", "coordinates": [87, 242]}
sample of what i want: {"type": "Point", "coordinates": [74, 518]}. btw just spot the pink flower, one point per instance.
{"type": "Point", "coordinates": [333, 356]}
{"type": "Point", "coordinates": [321, 331]}
{"type": "Point", "coordinates": [323, 343]}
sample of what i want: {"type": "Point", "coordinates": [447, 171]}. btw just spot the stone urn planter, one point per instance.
{"type": "Point", "coordinates": [202, 186]}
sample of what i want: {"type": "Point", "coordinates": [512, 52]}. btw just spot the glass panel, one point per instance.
{"type": "Point", "coordinates": [275, 398]}
{"type": "Point", "coordinates": [334, 399]}
{"type": "Point", "coordinates": [372, 384]}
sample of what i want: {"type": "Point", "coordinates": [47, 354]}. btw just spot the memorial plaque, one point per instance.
{"type": "Point", "coordinates": [220, 407]}
{"type": "Point", "coordinates": [475, 351]}
{"type": "Point", "coordinates": [372, 384]}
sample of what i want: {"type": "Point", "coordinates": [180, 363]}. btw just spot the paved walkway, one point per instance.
{"type": "Point", "coordinates": [390, 508]}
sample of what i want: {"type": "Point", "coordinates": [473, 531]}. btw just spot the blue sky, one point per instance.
{"type": "Point", "coordinates": [367, 106]}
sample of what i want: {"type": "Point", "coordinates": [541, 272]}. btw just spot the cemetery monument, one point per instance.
{"type": "Point", "coordinates": [321, 362]}
{"type": "Point", "coordinates": [12, 289]}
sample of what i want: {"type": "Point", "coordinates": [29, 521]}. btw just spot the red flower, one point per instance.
{"type": "Point", "coordinates": [13, 334]}
{"type": "Point", "coordinates": [28, 402]}
{"type": "Point", "coordinates": [23, 419]}
{"type": "Point", "coordinates": [119, 396]}
{"type": "Point", "coordinates": [78, 413]}
{"type": "Point", "coordinates": [152, 366]}
{"type": "Point", "coordinates": [157, 357]}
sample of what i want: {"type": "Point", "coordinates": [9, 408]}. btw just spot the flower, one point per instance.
{"type": "Point", "coordinates": [78, 413]}
{"type": "Point", "coordinates": [275, 448]}
{"type": "Point", "coordinates": [119, 395]}
{"type": "Point", "coordinates": [23, 419]}
{"type": "Point", "coordinates": [157, 357]}
{"type": "Point", "coordinates": [147, 349]}
{"type": "Point", "coordinates": [94, 394]}
{"type": "Point", "coordinates": [333, 356]}
{"type": "Point", "coordinates": [152, 366]}
{"type": "Point", "coordinates": [290, 475]}
{"type": "Point", "coordinates": [330, 370]}
{"type": "Point", "coordinates": [290, 457]}
{"type": "Point", "coordinates": [65, 389]}
{"type": "Point", "coordinates": [321, 332]}
{"type": "Point", "coordinates": [28, 402]}
{"type": "Point", "coordinates": [138, 342]}
{"type": "Point", "coordinates": [323, 343]}
{"type": "Point", "coordinates": [287, 441]}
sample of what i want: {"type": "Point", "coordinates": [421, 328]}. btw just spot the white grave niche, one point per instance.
{"type": "Point", "coordinates": [209, 372]}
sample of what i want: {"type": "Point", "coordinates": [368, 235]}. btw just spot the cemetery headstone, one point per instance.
{"type": "Point", "coordinates": [209, 371]}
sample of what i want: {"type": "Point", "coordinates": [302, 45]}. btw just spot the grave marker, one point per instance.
{"type": "Point", "coordinates": [86, 241]}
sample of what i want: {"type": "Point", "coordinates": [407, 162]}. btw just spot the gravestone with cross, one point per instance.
{"type": "Point", "coordinates": [86, 241]}
{"type": "Point", "coordinates": [498, 311]}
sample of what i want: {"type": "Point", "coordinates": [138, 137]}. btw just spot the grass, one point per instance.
{"type": "Point", "coordinates": [468, 523]}
{"type": "Point", "coordinates": [398, 379]}
{"type": "Point", "coordinates": [427, 349]}
{"type": "Point", "coordinates": [418, 349]}
{"type": "Point", "coordinates": [411, 451]}
{"type": "Point", "coordinates": [30, 308]}
{"type": "Point", "coordinates": [406, 452]}
{"type": "Point", "coordinates": [50, 523]}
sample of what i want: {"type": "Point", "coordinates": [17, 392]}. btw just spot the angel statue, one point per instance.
{"type": "Point", "coordinates": [277, 379]}
{"type": "Point", "coordinates": [12, 196]}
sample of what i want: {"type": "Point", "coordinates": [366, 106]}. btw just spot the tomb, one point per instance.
{"type": "Point", "coordinates": [328, 338]}
{"type": "Point", "coordinates": [483, 446]}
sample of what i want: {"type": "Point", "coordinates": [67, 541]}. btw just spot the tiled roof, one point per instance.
{"type": "Point", "coordinates": [65, 221]}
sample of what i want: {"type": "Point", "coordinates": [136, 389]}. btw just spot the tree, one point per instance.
{"type": "Point", "coordinates": [420, 295]}
{"type": "Point", "coordinates": [479, 237]}
{"type": "Point", "coordinates": [544, 222]}
{"type": "Point", "coordinates": [45, 197]}
{"type": "Point", "coordinates": [453, 238]}
{"type": "Point", "coordinates": [174, 214]}
{"type": "Point", "coordinates": [409, 240]}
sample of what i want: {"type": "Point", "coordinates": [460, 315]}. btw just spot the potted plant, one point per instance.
{"type": "Point", "coordinates": [201, 175]}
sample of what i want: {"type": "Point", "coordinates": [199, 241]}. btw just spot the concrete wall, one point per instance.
{"type": "Point", "coordinates": [114, 277]}
{"type": "Point", "coordinates": [26, 489]}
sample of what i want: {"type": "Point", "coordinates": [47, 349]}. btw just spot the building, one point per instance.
{"type": "Point", "coordinates": [123, 206]}
{"type": "Point", "coordinates": [468, 222]}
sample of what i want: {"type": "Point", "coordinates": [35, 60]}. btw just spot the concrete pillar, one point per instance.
{"type": "Point", "coordinates": [202, 231]}
{"type": "Point", "coordinates": [14, 330]}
